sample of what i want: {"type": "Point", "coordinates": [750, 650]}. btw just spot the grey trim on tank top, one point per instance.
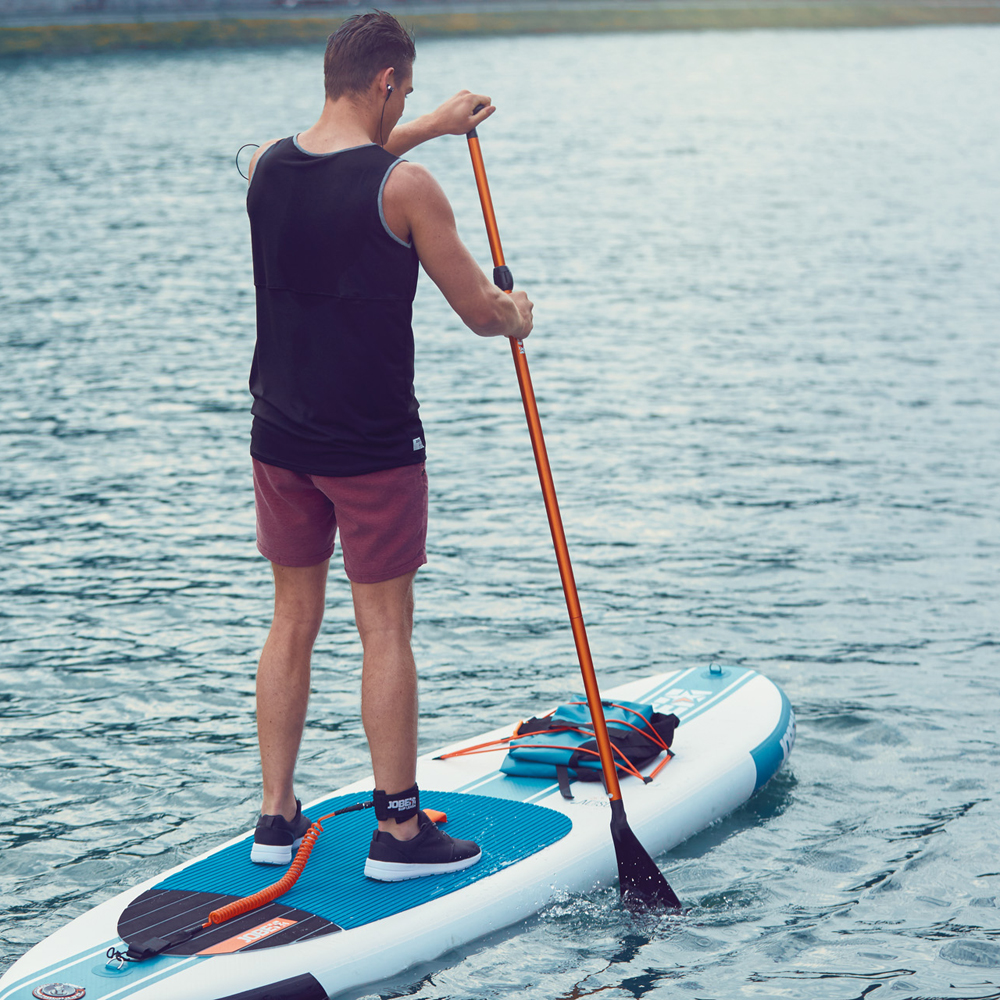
{"type": "Point", "coordinates": [347, 149]}
{"type": "Point", "coordinates": [381, 213]}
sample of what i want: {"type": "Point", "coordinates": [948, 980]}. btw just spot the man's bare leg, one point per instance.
{"type": "Point", "coordinates": [283, 679]}
{"type": "Point", "coordinates": [384, 615]}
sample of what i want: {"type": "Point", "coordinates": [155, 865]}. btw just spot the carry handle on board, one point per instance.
{"type": "Point", "coordinates": [639, 879]}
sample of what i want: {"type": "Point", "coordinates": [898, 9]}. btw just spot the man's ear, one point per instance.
{"type": "Point", "coordinates": [386, 81]}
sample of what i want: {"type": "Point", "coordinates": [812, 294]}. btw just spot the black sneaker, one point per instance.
{"type": "Point", "coordinates": [276, 840]}
{"type": "Point", "coordinates": [430, 852]}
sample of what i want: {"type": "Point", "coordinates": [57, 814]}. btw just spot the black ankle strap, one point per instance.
{"type": "Point", "coordinates": [401, 806]}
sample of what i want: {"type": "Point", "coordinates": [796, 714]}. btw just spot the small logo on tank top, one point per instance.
{"type": "Point", "coordinates": [417, 444]}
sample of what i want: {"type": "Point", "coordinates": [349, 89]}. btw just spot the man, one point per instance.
{"type": "Point", "coordinates": [338, 225]}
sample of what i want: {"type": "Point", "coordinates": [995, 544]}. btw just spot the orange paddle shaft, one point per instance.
{"type": "Point", "coordinates": [548, 487]}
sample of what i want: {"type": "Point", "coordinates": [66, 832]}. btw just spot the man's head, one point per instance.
{"type": "Point", "coordinates": [362, 47]}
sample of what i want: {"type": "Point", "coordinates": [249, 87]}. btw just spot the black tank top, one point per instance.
{"type": "Point", "coordinates": [332, 374]}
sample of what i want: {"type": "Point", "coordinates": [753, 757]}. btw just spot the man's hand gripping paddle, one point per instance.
{"type": "Point", "coordinates": [641, 883]}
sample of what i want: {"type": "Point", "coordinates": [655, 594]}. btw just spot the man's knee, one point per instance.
{"type": "Point", "coordinates": [384, 608]}
{"type": "Point", "coordinates": [299, 622]}
{"type": "Point", "coordinates": [299, 599]}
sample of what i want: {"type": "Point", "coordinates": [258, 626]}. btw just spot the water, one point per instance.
{"type": "Point", "coordinates": [768, 363]}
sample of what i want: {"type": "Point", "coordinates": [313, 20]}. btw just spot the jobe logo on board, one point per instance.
{"type": "Point", "coordinates": [264, 930]}
{"type": "Point", "coordinates": [246, 938]}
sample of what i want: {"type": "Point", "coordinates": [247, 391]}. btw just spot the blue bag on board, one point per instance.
{"type": "Point", "coordinates": [562, 745]}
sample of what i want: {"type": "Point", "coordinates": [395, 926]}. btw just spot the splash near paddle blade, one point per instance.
{"type": "Point", "coordinates": [640, 881]}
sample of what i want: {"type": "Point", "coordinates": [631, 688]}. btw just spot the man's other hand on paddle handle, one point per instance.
{"type": "Point", "coordinates": [525, 308]}
{"type": "Point", "coordinates": [460, 113]}
{"type": "Point", "coordinates": [456, 116]}
{"type": "Point", "coordinates": [416, 209]}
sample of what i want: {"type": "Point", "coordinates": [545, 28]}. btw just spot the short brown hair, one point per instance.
{"type": "Point", "coordinates": [360, 47]}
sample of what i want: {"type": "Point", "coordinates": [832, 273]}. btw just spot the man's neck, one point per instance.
{"type": "Point", "coordinates": [344, 123]}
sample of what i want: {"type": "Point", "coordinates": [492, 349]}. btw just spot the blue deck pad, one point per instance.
{"type": "Point", "coordinates": [333, 884]}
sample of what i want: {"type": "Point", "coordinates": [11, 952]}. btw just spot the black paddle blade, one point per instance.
{"type": "Point", "coordinates": [641, 882]}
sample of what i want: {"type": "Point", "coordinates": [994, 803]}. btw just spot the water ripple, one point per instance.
{"type": "Point", "coordinates": [767, 364]}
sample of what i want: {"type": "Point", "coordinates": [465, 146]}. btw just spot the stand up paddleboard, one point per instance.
{"type": "Point", "coordinates": [336, 930]}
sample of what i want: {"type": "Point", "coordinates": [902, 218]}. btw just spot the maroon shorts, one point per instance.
{"type": "Point", "coordinates": [382, 517]}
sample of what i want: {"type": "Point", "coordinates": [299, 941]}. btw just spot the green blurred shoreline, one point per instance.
{"type": "Point", "coordinates": [139, 28]}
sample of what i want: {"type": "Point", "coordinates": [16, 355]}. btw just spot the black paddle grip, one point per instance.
{"type": "Point", "coordinates": [472, 132]}
{"type": "Point", "coordinates": [503, 279]}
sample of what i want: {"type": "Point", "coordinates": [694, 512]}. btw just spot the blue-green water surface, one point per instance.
{"type": "Point", "coordinates": [767, 356]}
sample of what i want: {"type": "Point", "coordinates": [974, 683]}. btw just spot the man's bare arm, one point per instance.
{"type": "Point", "coordinates": [257, 156]}
{"type": "Point", "coordinates": [454, 117]}
{"type": "Point", "coordinates": [416, 208]}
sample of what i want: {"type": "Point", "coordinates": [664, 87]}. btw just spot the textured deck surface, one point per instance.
{"type": "Point", "coordinates": [333, 885]}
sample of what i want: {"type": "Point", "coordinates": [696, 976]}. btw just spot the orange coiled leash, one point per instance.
{"type": "Point", "coordinates": [240, 906]}
{"type": "Point", "coordinates": [142, 949]}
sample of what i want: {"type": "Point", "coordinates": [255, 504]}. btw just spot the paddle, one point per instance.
{"type": "Point", "coordinates": [639, 880]}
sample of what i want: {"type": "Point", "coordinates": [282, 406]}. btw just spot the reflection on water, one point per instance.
{"type": "Point", "coordinates": [767, 360]}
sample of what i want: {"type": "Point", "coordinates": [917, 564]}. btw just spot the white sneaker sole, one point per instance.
{"type": "Point", "coordinates": [393, 871]}
{"type": "Point", "coordinates": [269, 854]}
